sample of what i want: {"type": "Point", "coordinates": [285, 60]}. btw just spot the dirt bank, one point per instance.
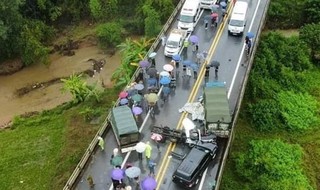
{"type": "Point", "coordinates": [49, 96]}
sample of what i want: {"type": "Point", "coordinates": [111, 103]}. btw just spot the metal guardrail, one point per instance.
{"type": "Point", "coordinates": [240, 98]}
{"type": "Point", "coordinates": [106, 125]}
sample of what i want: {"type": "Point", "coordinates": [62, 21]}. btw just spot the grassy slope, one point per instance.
{"type": "Point", "coordinates": [43, 150]}
{"type": "Point", "coordinates": [309, 141]}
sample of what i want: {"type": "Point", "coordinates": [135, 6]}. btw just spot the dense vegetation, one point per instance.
{"type": "Point", "coordinates": [276, 143]}
{"type": "Point", "coordinates": [41, 151]}
{"type": "Point", "coordinates": [27, 27]}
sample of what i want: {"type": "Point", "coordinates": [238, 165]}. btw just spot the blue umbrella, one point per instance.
{"type": "Point", "coordinates": [187, 62]}
{"type": "Point", "coordinates": [250, 35]}
{"type": "Point", "coordinates": [223, 4]}
{"type": "Point", "coordinates": [176, 57]}
{"type": "Point", "coordinates": [124, 101]}
{"type": "Point", "coordinates": [194, 66]}
{"type": "Point", "coordinates": [139, 87]}
{"type": "Point", "coordinates": [165, 80]}
{"type": "Point", "coordinates": [194, 39]}
{"type": "Point", "coordinates": [152, 81]}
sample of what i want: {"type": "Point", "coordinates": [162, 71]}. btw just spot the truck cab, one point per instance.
{"type": "Point", "coordinates": [124, 128]}
{"type": "Point", "coordinates": [189, 15]}
{"type": "Point", "coordinates": [206, 4]}
{"type": "Point", "coordinates": [218, 117]}
{"type": "Point", "coordinates": [174, 42]}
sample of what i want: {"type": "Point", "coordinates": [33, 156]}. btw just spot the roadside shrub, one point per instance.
{"type": "Point", "coordinates": [264, 114]}
{"type": "Point", "coordinates": [298, 111]}
{"type": "Point", "coordinates": [312, 11]}
{"type": "Point", "coordinates": [272, 164]}
{"type": "Point", "coordinates": [109, 34]}
{"type": "Point", "coordinates": [310, 34]}
{"type": "Point", "coordinates": [152, 23]}
{"type": "Point", "coordinates": [89, 113]}
{"type": "Point", "coordinates": [134, 26]}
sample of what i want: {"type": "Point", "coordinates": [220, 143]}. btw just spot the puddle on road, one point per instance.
{"type": "Point", "coordinates": [51, 96]}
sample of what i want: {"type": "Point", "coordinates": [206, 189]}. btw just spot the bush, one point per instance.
{"type": "Point", "coordinates": [109, 34]}
{"type": "Point", "coordinates": [299, 111]}
{"type": "Point", "coordinates": [312, 11]}
{"type": "Point", "coordinates": [272, 164]}
{"type": "Point", "coordinates": [265, 115]}
{"type": "Point", "coordinates": [152, 23]}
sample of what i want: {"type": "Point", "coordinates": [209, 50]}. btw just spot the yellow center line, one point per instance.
{"type": "Point", "coordinates": [165, 162]}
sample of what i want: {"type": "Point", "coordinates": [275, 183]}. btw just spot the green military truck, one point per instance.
{"type": "Point", "coordinates": [218, 118]}
{"type": "Point", "coordinates": [124, 128]}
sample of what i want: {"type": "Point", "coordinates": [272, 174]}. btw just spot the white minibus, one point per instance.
{"type": "Point", "coordinates": [189, 15]}
{"type": "Point", "coordinates": [237, 21]}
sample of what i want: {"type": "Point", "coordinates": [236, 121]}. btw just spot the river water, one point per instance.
{"type": "Point", "coordinates": [49, 97]}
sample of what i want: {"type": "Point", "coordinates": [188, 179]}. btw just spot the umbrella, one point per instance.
{"type": "Point", "coordinates": [165, 80]}
{"type": "Point", "coordinates": [214, 15]}
{"type": "Point", "coordinates": [124, 101]}
{"type": "Point", "coordinates": [166, 90]}
{"type": "Point", "coordinates": [152, 55]}
{"type": "Point", "coordinates": [187, 62]}
{"type": "Point", "coordinates": [140, 147]}
{"type": "Point", "coordinates": [168, 67]}
{"type": "Point", "coordinates": [152, 81]}
{"type": "Point", "coordinates": [149, 183]}
{"type": "Point", "coordinates": [188, 124]}
{"type": "Point", "coordinates": [138, 86]}
{"type": "Point", "coordinates": [117, 174]}
{"type": "Point", "coordinates": [194, 39]}
{"type": "Point", "coordinates": [152, 97]}
{"type": "Point", "coordinates": [156, 137]}
{"type": "Point", "coordinates": [194, 66]}
{"type": "Point", "coordinates": [133, 172]}
{"type": "Point", "coordinates": [117, 160]}
{"type": "Point", "coordinates": [136, 97]}
{"type": "Point", "coordinates": [123, 94]}
{"type": "Point", "coordinates": [164, 74]}
{"type": "Point", "coordinates": [152, 71]}
{"type": "Point", "coordinates": [176, 57]}
{"type": "Point", "coordinates": [144, 63]}
{"type": "Point", "coordinates": [250, 35]}
{"type": "Point", "coordinates": [223, 4]}
{"type": "Point", "coordinates": [215, 63]}
{"type": "Point", "coordinates": [136, 110]}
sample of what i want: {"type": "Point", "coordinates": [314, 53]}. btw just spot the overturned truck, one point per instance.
{"type": "Point", "coordinates": [218, 118]}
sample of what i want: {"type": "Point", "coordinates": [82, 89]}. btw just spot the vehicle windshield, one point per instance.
{"type": "Point", "coordinates": [172, 44]}
{"type": "Point", "coordinates": [186, 19]}
{"type": "Point", "coordinates": [238, 23]}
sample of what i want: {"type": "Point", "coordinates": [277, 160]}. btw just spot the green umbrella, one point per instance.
{"type": "Point", "coordinates": [117, 160]}
{"type": "Point", "coordinates": [136, 97]}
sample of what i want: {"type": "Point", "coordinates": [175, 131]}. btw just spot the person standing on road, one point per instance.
{"type": "Point", "coordinates": [163, 40]}
{"type": "Point", "coordinates": [151, 166]}
{"type": "Point", "coordinates": [101, 143]}
{"type": "Point", "coordinates": [216, 69]}
{"type": "Point", "coordinates": [206, 24]}
{"type": "Point", "coordinates": [148, 151]}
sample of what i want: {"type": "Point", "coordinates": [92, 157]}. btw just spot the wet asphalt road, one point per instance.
{"type": "Point", "coordinates": [227, 52]}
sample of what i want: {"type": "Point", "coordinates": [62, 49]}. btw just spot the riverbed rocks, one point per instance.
{"type": "Point", "coordinates": [10, 66]}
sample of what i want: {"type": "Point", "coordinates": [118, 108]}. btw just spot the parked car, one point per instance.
{"type": "Point", "coordinates": [189, 172]}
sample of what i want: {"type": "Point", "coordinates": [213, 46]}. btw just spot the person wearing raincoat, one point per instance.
{"type": "Point", "coordinates": [101, 143]}
{"type": "Point", "coordinates": [148, 151]}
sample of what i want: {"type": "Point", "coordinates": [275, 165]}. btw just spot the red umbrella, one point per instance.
{"type": "Point", "coordinates": [214, 15]}
{"type": "Point", "coordinates": [156, 137]}
{"type": "Point", "coordinates": [123, 94]}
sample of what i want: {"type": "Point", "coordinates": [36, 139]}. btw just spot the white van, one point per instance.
{"type": "Point", "coordinates": [189, 14]}
{"type": "Point", "coordinates": [237, 21]}
{"type": "Point", "coordinates": [206, 4]}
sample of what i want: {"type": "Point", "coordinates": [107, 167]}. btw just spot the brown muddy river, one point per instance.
{"type": "Point", "coordinates": [50, 96]}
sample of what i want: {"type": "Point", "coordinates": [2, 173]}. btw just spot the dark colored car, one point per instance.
{"type": "Point", "coordinates": [190, 170]}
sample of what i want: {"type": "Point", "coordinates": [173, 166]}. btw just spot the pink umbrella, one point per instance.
{"type": "Point", "coordinates": [156, 137]}
{"type": "Point", "coordinates": [214, 15]}
{"type": "Point", "coordinates": [168, 67]}
{"type": "Point", "coordinates": [123, 94]}
{"type": "Point", "coordinates": [136, 110]}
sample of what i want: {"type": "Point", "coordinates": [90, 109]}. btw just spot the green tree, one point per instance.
{"type": "Point", "coordinates": [272, 164]}
{"type": "Point", "coordinates": [152, 23]}
{"type": "Point", "coordinates": [299, 111]}
{"type": "Point", "coordinates": [109, 34]}
{"type": "Point", "coordinates": [77, 87]}
{"type": "Point", "coordinates": [310, 34]}
{"type": "Point", "coordinates": [312, 11]}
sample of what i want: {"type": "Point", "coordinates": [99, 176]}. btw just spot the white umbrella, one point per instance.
{"type": "Point", "coordinates": [188, 124]}
{"type": "Point", "coordinates": [168, 67]}
{"type": "Point", "coordinates": [141, 147]}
